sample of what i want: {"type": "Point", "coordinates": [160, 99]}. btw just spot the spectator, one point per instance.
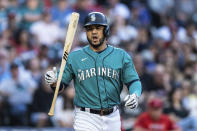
{"type": "Point", "coordinates": [14, 14]}
{"type": "Point", "coordinates": [176, 109]}
{"type": "Point", "coordinates": [4, 65]}
{"type": "Point", "coordinates": [125, 31]}
{"type": "Point", "coordinates": [30, 13]}
{"type": "Point", "coordinates": [19, 90]}
{"type": "Point", "coordinates": [46, 30]}
{"type": "Point", "coordinates": [139, 14]}
{"type": "Point", "coordinates": [186, 6]}
{"type": "Point", "coordinates": [35, 69]}
{"type": "Point", "coordinates": [61, 13]}
{"type": "Point", "coordinates": [22, 43]}
{"type": "Point", "coordinates": [158, 83]}
{"type": "Point", "coordinates": [43, 57]}
{"type": "Point", "coordinates": [154, 119]}
{"type": "Point", "coordinates": [3, 15]}
{"type": "Point", "coordinates": [83, 8]}
{"type": "Point", "coordinates": [190, 123]}
{"type": "Point", "coordinates": [118, 9]}
{"type": "Point", "coordinates": [40, 106]}
{"type": "Point", "coordinates": [143, 39]}
{"type": "Point", "coordinates": [65, 107]}
{"type": "Point", "coordinates": [161, 7]}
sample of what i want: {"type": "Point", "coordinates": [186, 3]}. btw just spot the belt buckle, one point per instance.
{"type": "Point", "coordinates": [102, 112]}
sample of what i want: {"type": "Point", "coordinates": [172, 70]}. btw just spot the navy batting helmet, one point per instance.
{"type": "Point", "coordinates": [97, 18]}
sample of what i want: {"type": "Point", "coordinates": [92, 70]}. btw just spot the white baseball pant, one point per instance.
{"type": "Point", "coordinates": [85, 121]}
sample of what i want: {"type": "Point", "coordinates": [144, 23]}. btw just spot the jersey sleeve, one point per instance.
{"type": "Point", "coordinates": [129, 72]}
{"type": "Point", "coordinates": [130, 76]}
{"type": "Point", "coordinates": [68, 73]}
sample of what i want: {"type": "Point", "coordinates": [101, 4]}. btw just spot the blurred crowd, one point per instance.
{"type": "Point", "coordinates": [160, 36]}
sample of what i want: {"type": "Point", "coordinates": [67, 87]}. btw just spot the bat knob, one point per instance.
{"type": "Point", "coordinates": [50, 114]}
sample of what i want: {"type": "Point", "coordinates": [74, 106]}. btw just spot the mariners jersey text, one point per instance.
{"type": "Point", "coordinates": [100, 71]}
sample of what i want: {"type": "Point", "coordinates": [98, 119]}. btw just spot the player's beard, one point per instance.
{"type": "Point", "coordinates": [98, 45]}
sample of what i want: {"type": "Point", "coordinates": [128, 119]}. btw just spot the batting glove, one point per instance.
{"type": "Point", "coordinates": [51, 76]}
{"type": "Point", "coordinates": [131, 101]}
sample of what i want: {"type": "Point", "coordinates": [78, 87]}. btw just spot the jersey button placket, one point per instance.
{"type": "Point", "coordinates": [101, 84]}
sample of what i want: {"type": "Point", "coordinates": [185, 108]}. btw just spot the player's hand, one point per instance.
{"type": "Point", "coordinates": [51, 76]}
{"type": "Point", "coordinates": [131, 101]}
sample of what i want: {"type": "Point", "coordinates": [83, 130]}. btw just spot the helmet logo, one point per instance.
{"type": "Point", "coordinates": [93, 17]}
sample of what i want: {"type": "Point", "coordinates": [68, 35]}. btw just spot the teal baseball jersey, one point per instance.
{"type": "Point", "coordinates": [99, 77]}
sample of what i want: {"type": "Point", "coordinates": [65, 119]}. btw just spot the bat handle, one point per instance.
{"type": "Point", "coordinates": [51, 111]}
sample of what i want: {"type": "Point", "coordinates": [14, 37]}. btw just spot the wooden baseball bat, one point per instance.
{"type": "Point", "coordinates": [68, 43]}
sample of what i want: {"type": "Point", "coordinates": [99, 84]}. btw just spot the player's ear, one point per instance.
{"type": "Point", "coordinates": [106, 31]}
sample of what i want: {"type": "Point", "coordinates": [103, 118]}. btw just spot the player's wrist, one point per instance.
{"type": "Point", "coordinates": [53, 85]}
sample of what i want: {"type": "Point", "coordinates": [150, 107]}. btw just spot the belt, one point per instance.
{"type": "Point", "coordinates": [101, 112]}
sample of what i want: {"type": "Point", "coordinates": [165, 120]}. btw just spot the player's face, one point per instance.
{"type": "Point", "coordinates": [95, 35]}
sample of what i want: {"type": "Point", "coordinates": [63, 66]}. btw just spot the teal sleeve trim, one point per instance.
{"type": "Point", "coordinates": [136, 87]}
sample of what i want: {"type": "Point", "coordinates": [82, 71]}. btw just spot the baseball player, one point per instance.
{"type": "Point", "coordinates": [99, 71]}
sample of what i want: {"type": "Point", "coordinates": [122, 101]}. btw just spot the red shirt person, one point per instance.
{"type": "Point", "coordinates": [154, 119]}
